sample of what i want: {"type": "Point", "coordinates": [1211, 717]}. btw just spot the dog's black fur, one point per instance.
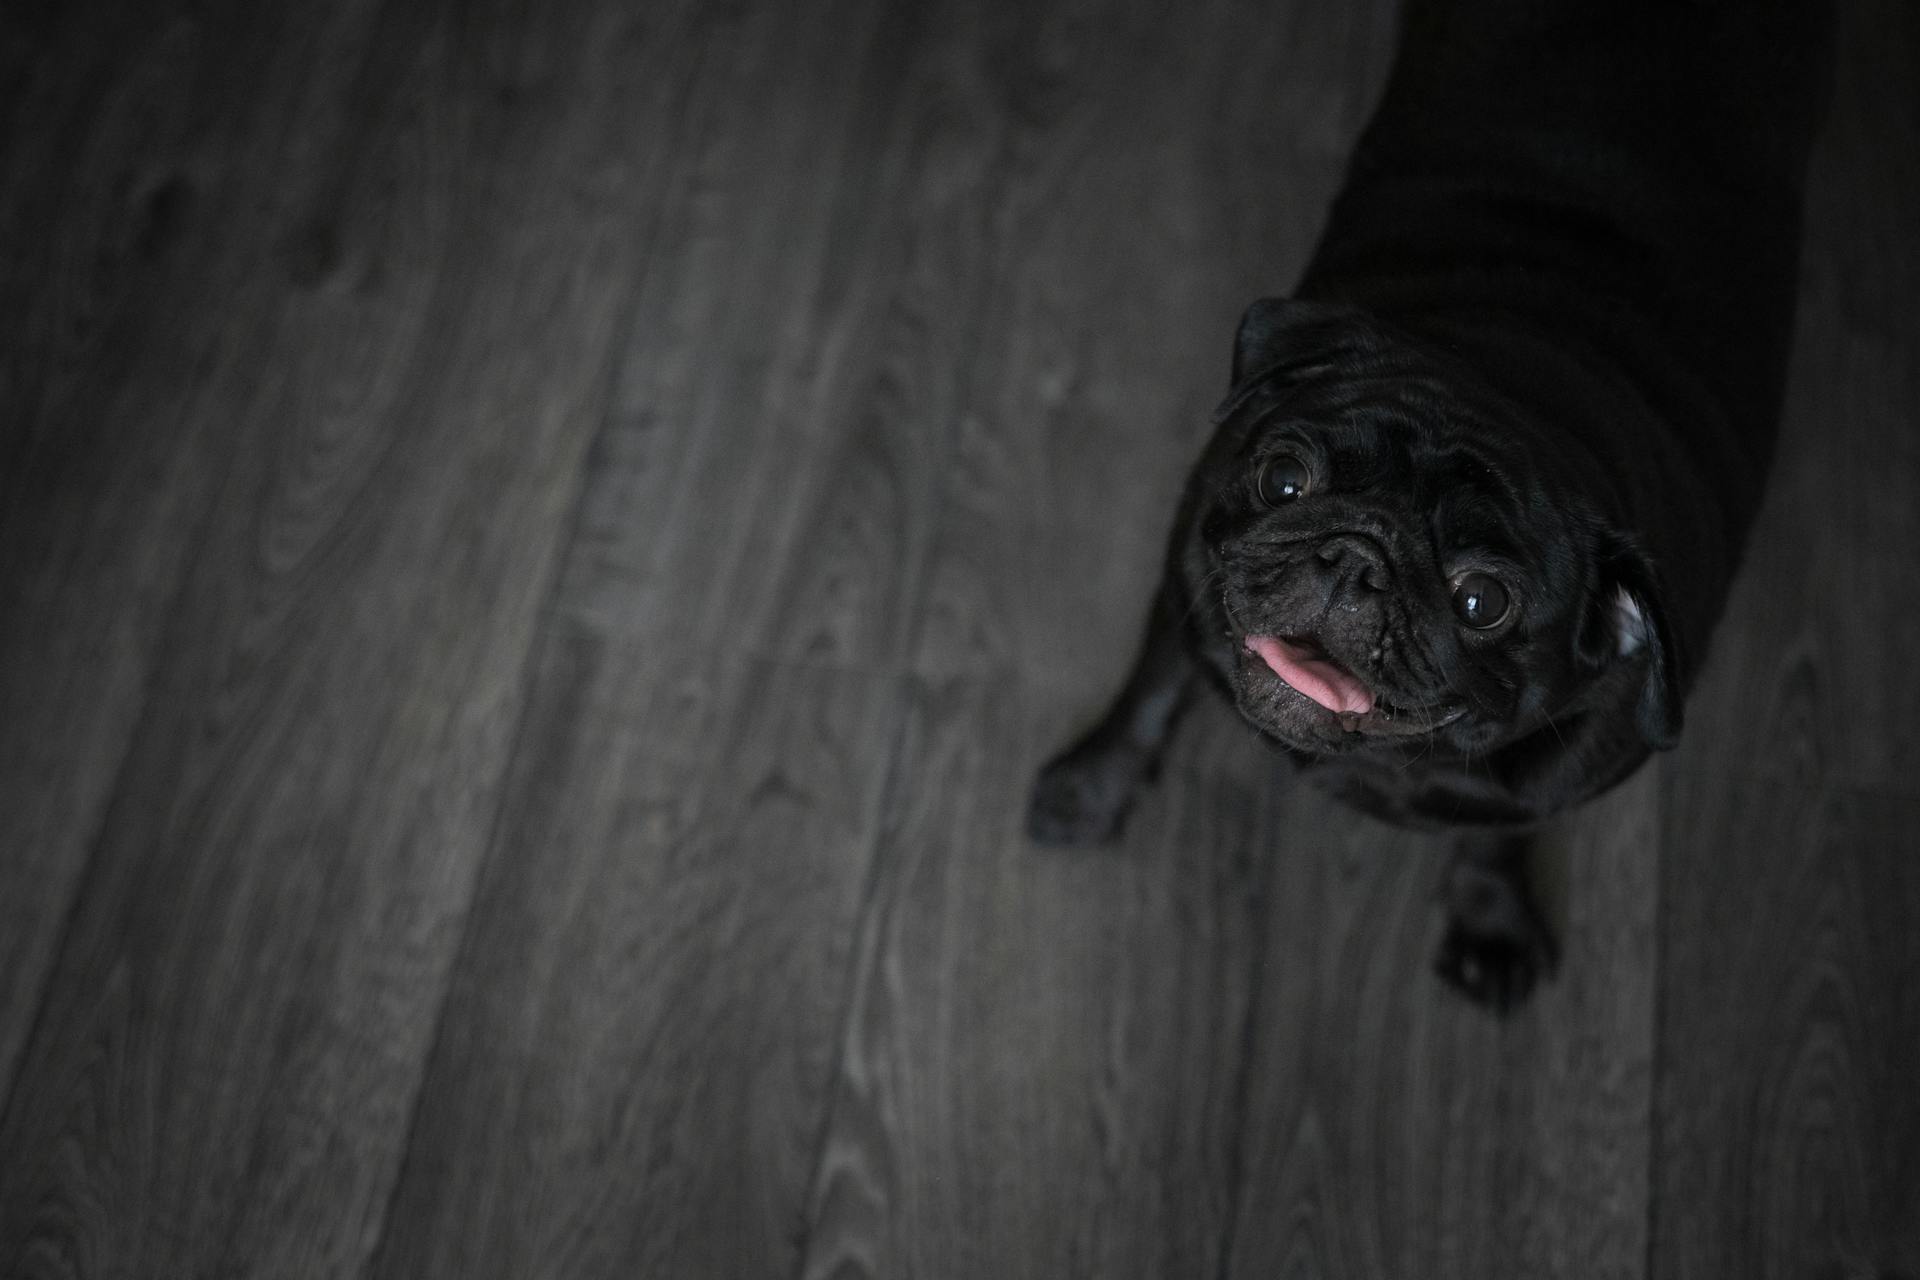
{"type": "Point", "coordinates": [1543, 339]}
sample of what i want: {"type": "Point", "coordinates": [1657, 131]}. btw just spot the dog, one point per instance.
{"type": "Point", "coordinates": [1478, 489]}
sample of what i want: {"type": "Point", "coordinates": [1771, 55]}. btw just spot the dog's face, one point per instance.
{"type": "Point", "coordinates": [1405, 559]}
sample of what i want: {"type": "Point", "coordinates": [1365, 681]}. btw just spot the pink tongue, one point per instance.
{"type": "Point", "coordinates": [1304, 669]}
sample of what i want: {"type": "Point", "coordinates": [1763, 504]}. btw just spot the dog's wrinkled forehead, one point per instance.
{"type": "Point", "coordinates": [1337, 368]}
{"type": "Point", "coordinates": [1409, 444]}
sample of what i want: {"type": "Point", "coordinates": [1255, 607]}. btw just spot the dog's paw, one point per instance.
{"type": "Point", "coordinates": [1082, 796]}
{"type": "Point", "coordinates": [1496, 969]}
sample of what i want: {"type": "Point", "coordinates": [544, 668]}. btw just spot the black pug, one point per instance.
{"type": "Point", "coordinates": [1478, 490]}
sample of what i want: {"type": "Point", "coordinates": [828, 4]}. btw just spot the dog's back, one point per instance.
{"type": "Point", "coordinates": [1645, 155]}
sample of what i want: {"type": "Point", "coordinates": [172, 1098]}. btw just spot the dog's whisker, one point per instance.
{"type": "Point", "coordinates": [1201, 592]}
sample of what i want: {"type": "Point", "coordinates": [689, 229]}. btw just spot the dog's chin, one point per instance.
{"type": "Point", "coordinates": [1354, 722]}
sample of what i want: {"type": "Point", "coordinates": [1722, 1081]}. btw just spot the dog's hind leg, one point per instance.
{"type": "Point", "coordinates": [1497, 945]}
{"type": "Point", "coordinates": [1083, 794]}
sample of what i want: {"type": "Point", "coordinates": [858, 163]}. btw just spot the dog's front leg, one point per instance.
{"type": "Point", "coordinates": [1497, 944]}
{"type": "Point", "coordinates": [1083, 794]}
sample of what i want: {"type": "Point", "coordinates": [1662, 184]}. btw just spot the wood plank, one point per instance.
{"type": "Point", "coordinates": [132, 342]}
{"type": "Point", "coordinates": [635, 1058]}
{"type": "Point", "coordinates": [629, 1075]}
{"type": "Point", "coordinates": [238, 1016]}
{"type": "Point", "coordinates": [1790, 1034]}
{"type": "Point", "coordinates": [1040, 1074]}
{"type": "Point", "coordinates": [769, 474]}
{"type": "Point", "coordinates": [1394, 1130]}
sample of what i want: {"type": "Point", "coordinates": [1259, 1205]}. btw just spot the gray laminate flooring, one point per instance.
{"type": "Point", "coordinates": [541, 544]}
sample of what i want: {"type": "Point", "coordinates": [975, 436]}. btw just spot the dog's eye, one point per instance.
{"type": "Point", "coordinates": [1283, 480]}
{"type": "Point", "coordinates": [1479, 600]}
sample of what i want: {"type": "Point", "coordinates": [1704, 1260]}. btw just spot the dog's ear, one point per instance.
{"type": "Point", "coordinates": [1627, 624]}
{"type": "Point", "coordinates": [1265, 326]}
{"type": "Point", "coordinates": [1288, 333]}
{"type": "Point", "coordinates": [1286, 338]}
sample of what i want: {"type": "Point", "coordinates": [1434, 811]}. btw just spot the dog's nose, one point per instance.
{"type": "Point", "coordinates": [1357, 557]}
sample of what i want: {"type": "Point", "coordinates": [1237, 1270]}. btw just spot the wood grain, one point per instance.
{"type": "Point", "coordinates": [124, 360]}
{"type": "Point", "coordinates": [1039, 1074]}
{"type": "Point", "coordinates": [1787, 1129]}
{"type": "Point", "coordinates": [768, 473]}
{"type": "Point", "coordinates": [1393, 1130]}
{"type": "Point", "coordinates": [644, 1021]}
{"type": "Point", "coordinates": [630, 1067]}
{"type": "Point", "coordinates": [238, 1014]}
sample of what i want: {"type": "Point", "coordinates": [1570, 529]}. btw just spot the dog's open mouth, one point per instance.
{"type": "Point", "coordinates": [1310, 671]}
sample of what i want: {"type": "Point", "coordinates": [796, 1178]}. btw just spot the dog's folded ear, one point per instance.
{"type": "Point", "coordinates": [1269, 335]}
{"type": "Point", "coordinates": [1287, 339]}
{"type": "Point", "coordinates": [1627, 625]}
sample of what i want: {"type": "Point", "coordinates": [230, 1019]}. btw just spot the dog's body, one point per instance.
{"type": "Point", "coordinates": [1479, 490]}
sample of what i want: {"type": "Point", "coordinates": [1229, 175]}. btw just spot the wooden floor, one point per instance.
{"type": "Point", "coordinates": [541, 544]}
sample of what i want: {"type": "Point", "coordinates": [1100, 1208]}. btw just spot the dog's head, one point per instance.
{"type": "Point", "coordinates": [1405, 556]}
